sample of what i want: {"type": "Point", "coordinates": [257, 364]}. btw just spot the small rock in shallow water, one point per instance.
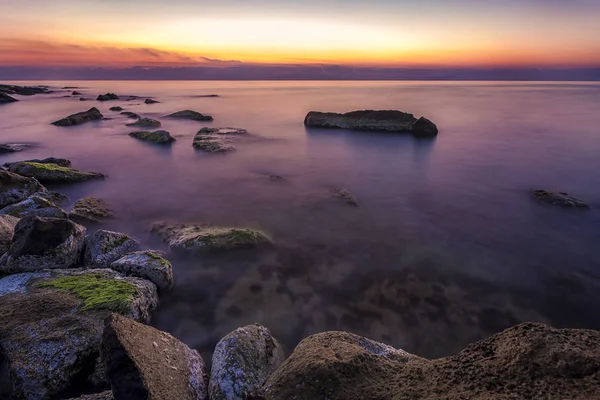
{"type": "Point", "coordinates": [146, 123]}
{"type": "Point", "coordinates": [76, 93]}
{"type": "Point", "coordinates": [93, 114]}
{"type": "Point", "coordinates": [148, 264]}
{"type": "Point", "coordinates": [345, 195]}
{"type": "Point", "coordinates": [104, 247]}
{"type": "Point", "coordinates": [107, 96]}
{"type": "Point", "coordinates": [217, 140]}
{"type": "Point", "coordinates": [52, 173]}
{"type": "Point", "coordinates": [191, 115]}
{"type": "Point", "coordinates": [559, 199]}
{"type": "Point", "coordinates": [151, 101]}
{"type": "Point", "coordinates": [117, 108]}
{"type": "Point", "coordinates": [130, 114]}
{"type": "Point", "coordinates": [34, 205]}
{"type": "Point", "coordinates": [161, 137]}
{"type": "Point", "coordinates": [90, 209]}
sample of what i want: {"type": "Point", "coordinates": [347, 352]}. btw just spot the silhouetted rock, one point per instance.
{"type": "Point", "coordinates": [52, 173]}
{"type": "Point", "coordinates": [107, 97]}
{"type": "Point", "coordinates": [4, 98]}
{"type": "Point", "coordinates": [160, 137]}
{"type": "Point", "coordinates": [146, 123]}
{"type": "Point", "coordinates": [15, 188]}
{"type": "Point", "coordinates": [117, 108]}
{"type": "Point", "coordinates": [23, 90]}
{"type": "Point", "coordinates": [559, 199]}
{"type": "Point", "coordinates": [424, 128]}
{"type": "Point", "coordinates": [144, 363]}
{"type": "Point", "coordinates": [191, 115]}
{"type": "Point", "coordinates": [151, 101]}
{"type": "Point", "coordinates": [92, 114]}
{"type": "Point", "coordinates": [76, 93]}
{"type": "Point", "coordinates": [89, 210]}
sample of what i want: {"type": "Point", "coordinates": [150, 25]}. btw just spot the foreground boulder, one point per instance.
{"type": "Point", "coordinates": [107, 97]}
{"type": "Point", "coordinates": [104, 247]}
{"type": "Point", "coordinates": [34, 205]}
{"type": "Point", "coordinates": [146, 123]}
{"type": "Point", "coordinates": [148, 264]}
{"type": "Point", "coordinates": [90, 210]}
{"type": "Point", "coordinates": [559, 199]}
{"type": "Point", "coordinates": [93, 114]}
{"type": "Point", "coordinates": [52, 325]}
{"type": "Point", "coordinates": [52, 173]}
{"type": "Point", "coordinates": [43, 243]}
{"type": "Point", "coordinates": [160, 137]}
{"type": "Point", "coordinates": [529, 361]}
{"type": "Point", "coordinates": [144, 363]}
{"type": "Point", "coordinates": [191, 115]}
{"type": "Point", "coordinates": [15, 188]}
{"type": "Point", "coordinates": [193, 237]}
{"type": "Point", "coordinates": [242, 362]}
{"type": "Point", "coordinates": [217, 140]}
{"type": "Point", "coordinates": [7, 228]}
{"type": "Point", "coordinates": [370, 120]}
{"type": "Point", "coordinates": [4, 98]}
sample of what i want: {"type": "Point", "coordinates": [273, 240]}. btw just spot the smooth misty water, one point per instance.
{"type": "Point", "coordinates": [446, 247]}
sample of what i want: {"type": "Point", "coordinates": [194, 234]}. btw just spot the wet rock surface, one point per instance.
{"type": "Point", "coordinates": [191, 115]}
{"type": "Point", "coordinates": [90, 210]}
{"type": "Point", "coordinates": [561, 199]}
{"type": "Point", "coordinates": [7, 228]}
{"type": "Point", "coordinates": [151, 101]}
{"type": "Point", "coordinates": [116, 108]}
{"type": "Point", "coordinates": [23, 90]}
{"type": "Point", "coordinates": [93, 114]}
{"type": "Point", "coordinates": [62, 162]}
{"type": "Point", "coordinates": [107, 97]}
{"type": "Point", "coordinates": [15, 188]}
{"type": "Point", "coordinates": [34, 205]}
{"type": "Point", "coordinates": [160, 137]}
{"type": "Point", "coordinates": [104, 247]}
{"type": "Point", "coordinates": [146, 123]}
{"type": "Point", "coordinates": [52, 173]}
{"type": "Point", "coordinates": [147, 264]}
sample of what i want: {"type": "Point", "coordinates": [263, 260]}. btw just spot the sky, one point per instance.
{"type": "Point", "coordinates": [374, 33]}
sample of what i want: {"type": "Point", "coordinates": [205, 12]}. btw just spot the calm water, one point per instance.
{"type": "Point", "coordinates": [446, 246]}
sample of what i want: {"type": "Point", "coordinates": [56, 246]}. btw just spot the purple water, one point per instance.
{"type": "Point", "coordinates": [447, 245]}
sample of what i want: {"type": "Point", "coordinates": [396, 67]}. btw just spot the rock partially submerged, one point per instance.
{"type": "Point", "coordinates": [76, 93]}
{"type": "Point", "coordinates": [217, 140]}
{"type": "Point", "coordinates": [146, 123]}
{"type": "Point", "coordinates": [7, 228]}
{"type": "Point", "coordinates": [242, 362]}
{"type": "Point", "coordinates": [148, 264]}
{"type": "Point", "coordinates": [93, 114]}
{"type": "Point", "coordinates": [62, 162]}
{"type": "Point", "coordinates": [345, 195]}
{"type": "Point", "coordinates": [34, 205]}
{"type": "Point", "coordinates": [370, 120]}
{"type": "Point", "coordinates": [191, 115]}
{"type": "Point", "coordinates": [52, 173]}
{"type": "Point", "coordinates": [13, 147]}
{"type": "Point", "coordinates": [130, 114]}
{"type": "Point", "coordinates": [107, 97]}
{"type": "Point", "coordinates": [90, 210]}
{"type": "Point", "coordinates": [144, 363]}
{"type": "Point", "coordinates": [116, 108]}
{"type": "Point", "coordinates": [104, 247]}
{"type": "Point", "coordinates": [559, 199]}
{"type": "Point", "coordinates": [195, 238]}
{"type": "Point", "coordinates": [160, 137]}
{"type": "Point", "coordinates": [15, 188]}
{"type": "Point", "coordinates": [23, 90]}
{"type": "Point", "coordinates": [151, 101]}
{"type": "Point", "coordinates": [4, 98]}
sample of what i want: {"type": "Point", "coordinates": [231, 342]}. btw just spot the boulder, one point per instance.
{"type": "Point", "coordinates": [13, 147]}
{"type": "Point", "coordinates": [104, 247]}
{"type": "Point", "coordinates": [52, 173]}
{"type": "Point", "coordinates": [191, 115]}
{"type": "Point", "coordinates": [217, 140]}
{"type": "Point", "coordinates": [107, 96]}
{"type": "Point", "coordinates": [194, 237]}
{"type": "Point", "coordinates": [148, 264]}
{"type": "Point", "coordinates": [7, 228]}
{"type": "Point", "coordinates": [89, 210]}
{"type": "Point", "coordinates": [130, 114]}
{"type": "Point", "coordinates": [4, 98]}
{"type": "Point", "coordinates": [160, 137]}
{"type": "Point", "coordinates": [370, 120]}
{"type": "Point", "coordinates": [58, 199]}
{"type": "Point", "coordinates": [146, 123]}
{"type": "Point", "coordinates": [52, 325]}
{"type": "Point", "coordinates": [34, 205]}
{"type": "Point", "coordinates": [62, 162]}
{"type": "Point", "coordinates": [559, 199]}
{"type": "Point", "coordinates": [43, 243]}
{"type": "Point", "coordinates": [242, 362]}
{"type": "Point", "coordinates": [117, 108]}
{"type": "Point", "coordinates": [93, 114]}
{"type": "Point", "coordinates": [151, 101]}
{"type": "Point", "coordinates": [345, 195]}
{"type": "Point", "coordinates": [144, 363]}
{"type": "Point", "coordinates": [15, 188]}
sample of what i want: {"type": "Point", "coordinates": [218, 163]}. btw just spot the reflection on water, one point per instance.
{"type": "Point", "coordinates": [446, 246]}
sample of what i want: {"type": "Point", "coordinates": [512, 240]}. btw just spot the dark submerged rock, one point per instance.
{"type": "Point", "coordinates": [160, 137]}
{"type": "Point", "coordinates": [23, 90]}
{"type": "Point", "coordinates": [15, 188]}
{"type": "Point", "coordinates": [107, 97]}
{"type": "Point", "coordinates": [191, 115]}
{"type": "Point", "coordinates": [117, 108]}
{"type": "Point", "coordinates": [130, 114]}
{"type": "Point", "coordinates": [345, 195]}
{"type": "Point", "coordinates": [4, 98]}
{"type": "Point", "coordinates": [424, 128]}
{"type": "Point", "coordinates": [151, 101]}
{"type": "Point", "coordinates": [76, 93]}
{"type": "Point", "coordinates": [144, 363]}
{"type": "Point", "coordinates": [93, 114]}
{"type": "Point", "coordinates": [52, 173]}
{"type": "Point", "coordinates": [146, 123]}
{"type": "Point", "coordinates": [559, 199]}
{"type": "Point", "coordinates": [90, 210]}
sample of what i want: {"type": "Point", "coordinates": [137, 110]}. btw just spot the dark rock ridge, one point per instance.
{"type": "Point", "coordinates": [144, 363]}
{"type": "Point", "coordinates": [117, 108]}
{"type": "Point", "coordinates": [151, 101]}
{"type": "Point", "coordinates": [92, 114]}
{"type": "Point", "coordinates": [370, 120]}
{"type": "Point", "coordinates": [4, 98]}
{"type": "Point", "coordinates": [160, 137]}
{"type": "Point", "coordinates": [107, 97]}
{"type": "Point", "coordinates": [146, 123]}
{"type": "Point", "coordinates": [559, 199]}
{"type": "Point", "coordinates": [34, 205]}
{"type": "Point", "coordinates": [23, 90]}
{"type": "Point", "coordinates": [52, 173]}
{"type": "Point", "coordinates": [191, 115]}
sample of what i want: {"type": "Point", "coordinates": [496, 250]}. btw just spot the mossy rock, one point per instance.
{"type": "Point", "coordinates": [104, 247]}
{"type": "Point", "coordinates": [195, 238]}
{"type": "Point", "coordinates": [160, 137]}
{"type": "Point", "coordinates": [93, 114]}
{"type": "Point", "coordinates": [146, 123]}
{"type": "Point", "coordinates": [191, 115]}
{"type": "Point", "coordinates": [7, 228]}
{"type": "Point", "coordinates": [35, 205]}
{"type": "Point", "coordinates": [90, 210]}
{"type": "Point", "coordinates": [148, 264]}
{"type": "Point", "coordinates": [52, 173]}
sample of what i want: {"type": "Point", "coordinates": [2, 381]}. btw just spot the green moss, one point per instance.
{"type": "Point", "coordinates": [229, 238]}
{"type": "Point", "coordinates": [48, 167]}
{"type": "Point", "coordinates": [97, 291]}
{"type": "Point", "coordinates": [163, 261]}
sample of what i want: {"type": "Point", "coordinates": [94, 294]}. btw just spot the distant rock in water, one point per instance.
{"type": "Point", "coordinates": [107, 97]}
{"type": "Point", "coordinates": [151, 101]}
{"type": "Point", "coordinates": [90, 209]}
{"type": "Point", "coordinates": [146, 123]}
{"type": "Point", "coordinates": [4, 98]}
{"type": "Point", "coordinates": [13, 147]}
{"type": "Point", "coordinates": [370, 120]}
{"type": "Point", "coordinates": [206, 95]}
{"type": "Point", "coordinates": [83, 99]}
{"type": "Point", "coordinates": [345, 195]}
{"type": "Point", "coordinates": [117, 108]}
{"type": "Point", "coordinates": [559, 199]}
{"type": "Point", "coordinates": [23, 90]}
{"type": "Point", "coordinates": [130, 114]}
{"type": "Point", "coordinates": [160, 137]}
{"type": "Point", "coordinates": [76, 93]}
{"type": "Point", "coordinates": [217, 140]}
{"type": "Point", "coordinates": [189, 114]}
{"type": "Point", "coordinates": [52, 173]}
{"type": "Point", "coordinates": [93, 114]}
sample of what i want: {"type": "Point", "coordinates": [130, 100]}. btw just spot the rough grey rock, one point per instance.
{"type": "Point", "coordinates": [159, 137]}
{"type": "Point", "coordinates": [146, 123]}
{"type": "Point", "coordinates": [13, 147]}
{"type": "Point", "coordinates": [145, 363]}
{"type": "Point", "coordinates": [217, 140]}
{"type": "Point", "coordinates": [370, 120]}
{"type": "Point", "coordinates": [15, 188]}
{"type": "Point", "coordinates": [195, 238]}
{"type": "Point", "coordinates": [104, 247]}
{"type": "Point", "coordinates": [151, 101]}
{"type": "Point", "coordinates": [52, 173]}
{"type": "Point", "coordinates": [43, 243]}
{"type": "Point", "coordinates": [107, 96]}
{"type": "Point", "coordinates": [191, 115]}
{"type": "Point", "coordinates": [34, 205]}
{"type": "Point", "coordinates": [90, 210]}
{"type": "Point", "coordinates": [242, 362]}
{"type": "Point", "coordinates": [559, 199]}
{"type": "Point", "coordinates": [93, 114]}
{"type": "Point", "coordinates": [52, 327]}
{"type": "Point", "coordinates": [7, 228]}
{"type": "Point", "coordinates": [148, 264]}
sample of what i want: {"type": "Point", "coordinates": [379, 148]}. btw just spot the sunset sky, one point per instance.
{"type": "Point", "coordinates": [390, 33]}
